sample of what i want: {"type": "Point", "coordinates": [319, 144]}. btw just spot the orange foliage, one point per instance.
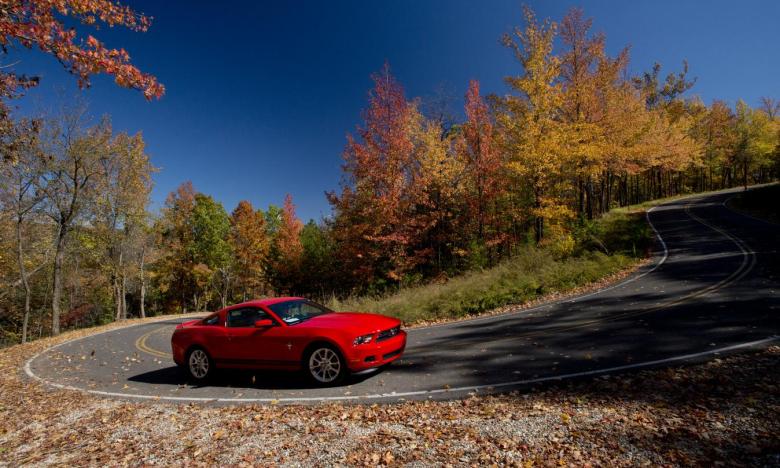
{"type": "Point", "coordinates": [251, 247]}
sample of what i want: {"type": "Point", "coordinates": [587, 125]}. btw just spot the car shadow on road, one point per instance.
{"type": "Point", "coordinates": [240, 378]}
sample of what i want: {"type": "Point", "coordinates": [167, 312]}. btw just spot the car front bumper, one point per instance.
{"type": "Point", "coordinates": [376, 354]}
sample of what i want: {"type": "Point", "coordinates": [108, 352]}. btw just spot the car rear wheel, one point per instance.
{"type": "Point", "coordinates": [199, 364]}
{"type": "Point", "coordinates": [324, 365]}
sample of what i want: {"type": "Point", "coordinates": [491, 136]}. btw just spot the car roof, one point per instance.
{"type": "Point", "coordinates": [267, 301]}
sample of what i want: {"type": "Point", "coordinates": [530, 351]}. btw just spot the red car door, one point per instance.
{"type": "Point", "coordinates": [251, 346]}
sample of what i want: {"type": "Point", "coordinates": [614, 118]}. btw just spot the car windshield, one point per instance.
{"type": "Point", "coordinates": [298, 311]}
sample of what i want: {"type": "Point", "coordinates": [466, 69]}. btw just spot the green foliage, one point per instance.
{"type": "Point", "coordinates": [273, 219]}
{"type": "Point", "coordinates": [210, 228]}
{"type": "Point", "coordinates": [317, 267]}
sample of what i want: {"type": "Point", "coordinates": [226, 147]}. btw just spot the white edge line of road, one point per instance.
{"type": "Point", "coordinates": [473, 388]}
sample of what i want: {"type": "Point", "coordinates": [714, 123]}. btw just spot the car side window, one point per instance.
{"type": "Point", "coordinates": [245, 317]}
{"type": "Point", "coordinates": [212, 320]}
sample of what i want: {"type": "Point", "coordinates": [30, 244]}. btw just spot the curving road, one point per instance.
{"type": "Point", "coordinates": [711, 289]}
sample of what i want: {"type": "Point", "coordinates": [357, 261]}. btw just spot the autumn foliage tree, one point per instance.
{"type": "Point", "coordinates": [251, 246]}
{"type": "Point", "coordinates": [378, 168]}
{"type": "Point", "coordinates": [48, 25]}
{"type": "Point", "coordinates": [289, 250]}
{"type": "Point", "coordinates": [174, 278]}
{"type": "Point", "coordinates": [123, 192]}
{"type": "Point", "coordinates": [536, 141]}
{"type": "Point", "coordinates": [483, 171]}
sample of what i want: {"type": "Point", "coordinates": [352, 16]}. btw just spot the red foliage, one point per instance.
{"type": "Point", "coordinates": [81, 316]}
{"type": "Point", "coordinates": [40, 23]}
{"type": "Point", "coordinates": [484, 165]}
{"type": "Point", "coordinates": [379, 168]}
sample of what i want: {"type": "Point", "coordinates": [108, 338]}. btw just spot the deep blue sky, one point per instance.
{"type": "Point", "coordinates": [260, 95]}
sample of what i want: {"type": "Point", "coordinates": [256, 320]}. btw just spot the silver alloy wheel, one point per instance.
{"type": "Point", "coordinates": [199, 364]}
{"type": "Point", "coordinates": [324, 365]}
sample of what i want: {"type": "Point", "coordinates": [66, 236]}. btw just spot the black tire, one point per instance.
{"type": "Point", "coordinates": [324, 365]}
{"type": "Point", "coordinates": [198, 365]}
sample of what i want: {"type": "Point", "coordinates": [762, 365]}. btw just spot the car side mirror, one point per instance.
{"type": "Point", "coordinates": [264, 323]}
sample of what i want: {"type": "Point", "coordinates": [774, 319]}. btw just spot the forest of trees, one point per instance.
{"type": "Point", "coordinates": [424, 195]}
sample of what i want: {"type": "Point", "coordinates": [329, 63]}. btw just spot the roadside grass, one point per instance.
{"type": "Point", "coordinates": [761, 202]}
{"type": "Point", "coordinates": [605, 247]}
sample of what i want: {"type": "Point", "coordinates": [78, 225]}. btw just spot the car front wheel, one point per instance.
{"type": "Point", "coordinates": [199, 365]}
{"type": "Point", "coordinates": [324, 365]}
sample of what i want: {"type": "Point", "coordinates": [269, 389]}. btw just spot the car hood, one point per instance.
{"type": "Point", "coordinates": [356, 321]}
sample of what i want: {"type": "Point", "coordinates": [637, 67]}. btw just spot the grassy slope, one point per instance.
{"type": "Point", "coordinates": [611, 244]}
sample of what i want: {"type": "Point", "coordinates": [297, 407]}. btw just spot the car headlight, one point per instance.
{"type": "Point", "coordinates": [363, 339]}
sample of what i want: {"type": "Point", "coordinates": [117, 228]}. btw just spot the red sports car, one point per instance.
{"type": "Point", "coordinates": [289, 333]}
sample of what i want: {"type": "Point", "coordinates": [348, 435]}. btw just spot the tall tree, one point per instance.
{"type": "Point", "coordinates": [719, 140]}
{"type": "Point", "coordinates": [288, 242]}
{"type": "Point", "coordinates": [175, 268]}
{"type": "Point", "coordinates": [148, 251]}
{"type": "Point", "coordinates": [535, 137]}
{"type": "Point", "coordinates": [69, 183]}
{"type": "Point", "coordinates": [484, 168]}
{"type": "Point", "coordinates": [435, 192]}
{"type": "Point", "coordinates": [251, 245]}
{"type": "Point", "coordinates": [210, 249]}
{"type": "Point", "coordinates": [756, 140]}
{"type": "Point", "coordinates": [585, 86]}
{"type": "Point", "coordinates": [124, 188]}
{"type": "Point", "coordinates": [378, 167]}
{"type": "Point", "coordinates": [18, 193]}
{"type": "Point", "coordinates": [658, 93]}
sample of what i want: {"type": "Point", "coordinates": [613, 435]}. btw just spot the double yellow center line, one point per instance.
{"type": "Point", "coordinates": [140, 343]}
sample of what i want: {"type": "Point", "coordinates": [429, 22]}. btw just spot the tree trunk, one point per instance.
{"type": "Point", "coordinates": [117, 300]}
{"type": "Point", "coordinates": [589, 198]}
{"type": "Point", "coordinates": [225, 288]}
{"type": "Point", "coordinates": [57, 281]}
{"type": "Point", "coordinates": [23, 275]}
{"type": "Point", "coordinates": [123, 300]}
{"type": "Point", "coordinates": [143, 282]}
{"type": "Point", "coordinates": [539, 221]}
{"type": "Point", "coordinates": [539, 229]}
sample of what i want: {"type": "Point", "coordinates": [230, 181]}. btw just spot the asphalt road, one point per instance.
{"type": "Point", "coordinates": [713, 288]}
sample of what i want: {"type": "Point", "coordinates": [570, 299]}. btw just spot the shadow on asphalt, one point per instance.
{"type": "Point", "coordinates": [240, 378]}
